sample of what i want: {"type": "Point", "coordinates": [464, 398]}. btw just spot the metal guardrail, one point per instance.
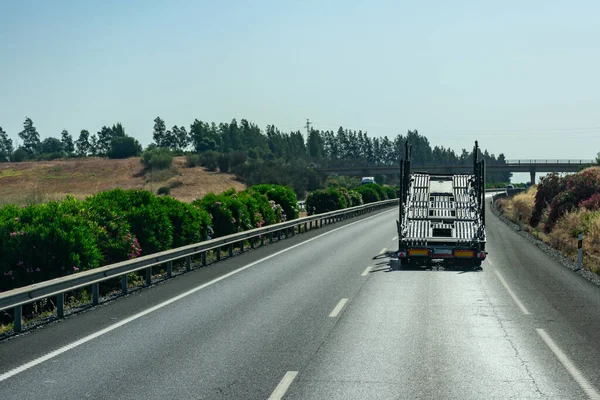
{"type": "Point", "coordinates": [549, 161]}
{"type": "Point", "coordinates": [19, 297]}
{"type": "Point", "coordinates": [507, 193]}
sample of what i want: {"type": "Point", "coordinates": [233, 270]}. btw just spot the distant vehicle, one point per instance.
{"type": "Point", "coordinates": [367, 179]}
{"type": "Point", "coordinates": [510, 187]}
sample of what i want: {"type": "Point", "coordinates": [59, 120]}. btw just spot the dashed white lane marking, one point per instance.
{"type": "Point", "coordinates": [284, 385]}
{"type": "Point", "coordinates": [395, 238]}
{"type": "Point", "coordinates": [338, 308]}
{"type": "Point", "coordinates": [383, 251]}
{"type": "Point", "coordinates": [569, 366]}
{"type": "Point", "coordinates": [366, 271]}
{"type": "Point", "coordinates": [512, 294]}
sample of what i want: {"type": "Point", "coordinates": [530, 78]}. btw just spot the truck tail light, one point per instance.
{"type": "Point", "coordinates": [481, 255]}
{"type": "Point", "coordinates": [418, 252]}
{"type": "Point", "coordinates": [464, 253]}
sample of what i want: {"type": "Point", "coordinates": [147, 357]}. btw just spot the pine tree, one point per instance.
{"type": "Point", "coordinates": [67, 142]}
{"type": "Point", "coordinates": [6, 146]}
{"type": "Point", "coordinates": [30, 137]}
{"type": "Point", "coordinates": [103, 138]}
{"type": "Point", "coordinates": [159, 131]}
{"type": "Point", "coordinates": [83, 143]}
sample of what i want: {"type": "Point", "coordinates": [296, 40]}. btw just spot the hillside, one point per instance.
{"type": "Point", "coordinates": [41, 181]}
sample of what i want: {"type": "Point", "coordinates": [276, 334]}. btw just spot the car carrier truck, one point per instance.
{"type": "Point", "coordinates": [442, 217]}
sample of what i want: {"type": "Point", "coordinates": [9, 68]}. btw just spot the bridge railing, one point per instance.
{"type": "Point", "coordinates": [551, 161]}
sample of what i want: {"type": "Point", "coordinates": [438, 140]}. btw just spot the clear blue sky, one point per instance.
{"type": "Point", "coordinates": [522, 77]}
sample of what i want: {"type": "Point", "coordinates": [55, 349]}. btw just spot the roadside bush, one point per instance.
{"type": "Point", "coordinates": [193, 160]}
{"type": "Point", "coordinates": [189, 223]}
{"type": "Point", "coordinates": [347, 200]}
{"type": "Point", "coordinates": [579, 187]}
{"type": "Point", "coordinates": [115, 240]}
{"type": "Point", "coordinates": [124, 147]}
{"type": "Point", "coordinates": [592, 204]}
{"type": "Point", "coordinates": [20, 155]}
{"type": "Point", "coordinates": [210, 160]}
{"type": "Point", "coordinates": [163, 190]}
{"type": "Point", "coordinates": [523, 205]}
{"type": "Point", "coordinates": [390, 192]}
{"type": "Point", "coordinates": [368, 193]}
{"type": "Point", "coordinates": [260, 209]}
{"type": "Point", "coordinates": [41, 242]}
{"type": "Point", "coordinates": [223, 222]}
{"type": "Point", "coordinates": [379, 189]}
{"type": "Point", "coordinates": [159, 158]}
{"type": "Point", "coordinates": [355, 199]}
{"type": "Point", "coordinates": [282, 195]}
{"type": "Point", "coordinates": [148, 220]}
{"type": "Point", "coordinates": [223, 163]}
{"type": "Point", "coordinates": [547, 189]}
{"type": "Point", "coordinates": [237, 158]}
{"type": "Point", "coordinates": [325, 200]}
{"type": "Point", "coordinates": [50, 156]}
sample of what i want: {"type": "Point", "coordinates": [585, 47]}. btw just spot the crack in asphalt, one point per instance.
{"type": "Point", "coordinates": [506, 337]}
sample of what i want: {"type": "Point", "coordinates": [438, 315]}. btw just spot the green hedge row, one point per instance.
{"type": "Point", "coordinates": [338, 197]}
{"type": "Point", "coordinates": [41, 242]}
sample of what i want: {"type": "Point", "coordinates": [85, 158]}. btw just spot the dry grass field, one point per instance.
{"type": "Point", "coordinates": [41, 181]}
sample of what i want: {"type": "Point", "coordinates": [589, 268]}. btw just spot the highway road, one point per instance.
{"type": "Point", "coordinates": [324, 320]}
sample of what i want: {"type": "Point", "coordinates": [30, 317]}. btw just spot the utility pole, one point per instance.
{"type": "Point", "coordinates": [307, 126]}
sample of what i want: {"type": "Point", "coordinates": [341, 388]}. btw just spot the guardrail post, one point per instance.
{"type": "Point", "coordinates": [188, 263]}
{"type": "Point", "coordinates": [18, 320]}
{"type": "Point", "coordinates": [231, 250]}
{"type": "Point", "coordinates": [95, 293]}
{"type": "Point", "coordinates": [242, 246]}
{"type": "Point", "coordinates": [123, 284]}
{"type": "Point", "coordinates": [60, 305]}
{"type": "Point", "coordinates": [262, 240]}
{"type": "Point", "coordinates": [218, 254]}
{"type": "Point", "coordinates": [579, 252]}
{"type": "Point", "coordinates": [169, 269]}
{"type": "Point", "coordinates": [252, 240]}
{"type": "Point", "coordinates": [294, 229]}
{"type": "Point", "coordinates": [149, 276]}
{"type": "Point", "coordinates": [278, 235]}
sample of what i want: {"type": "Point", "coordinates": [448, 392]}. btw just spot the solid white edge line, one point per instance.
{"type": "Point", "coordinates": [569, 366]}
{"type": "Point", "coordinates": [512, 294]}
{"type": "Point", "coordinates": [338, 308]}
{"type": "Point", "coordinates": [127, 320]}
{"type": "Point", "coordinates": [284, 385]}
{"type": "Point", "coordinates": [366, 271]}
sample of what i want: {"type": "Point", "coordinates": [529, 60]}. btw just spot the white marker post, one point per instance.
{"type": "Point", "coordinates": [579, 252]}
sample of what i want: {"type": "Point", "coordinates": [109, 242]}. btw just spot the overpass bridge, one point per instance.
{"type": "Point", "coordinates": [531, 166]}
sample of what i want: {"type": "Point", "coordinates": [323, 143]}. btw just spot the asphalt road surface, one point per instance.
{"type": "Point", "coordinates": [324, 320]}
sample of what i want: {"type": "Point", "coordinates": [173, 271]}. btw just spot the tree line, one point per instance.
{"type": "Point", "coordinates": [322, 148]}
